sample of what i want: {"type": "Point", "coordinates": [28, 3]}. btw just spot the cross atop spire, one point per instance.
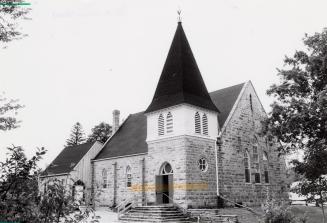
{"type": "Point", "coordinates": [179, 12]}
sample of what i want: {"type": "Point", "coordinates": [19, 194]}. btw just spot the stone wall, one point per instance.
{"type": "Point", "coordinates": [171, 150]}
{"type": "Point", "coordinates": [116, 190]}
{"type": "Point", "coordinates": [246, 124]}
{"type": "Point", "coordinates": [202, 185]}
{"type": "Point", "coordinates": [191, 187]}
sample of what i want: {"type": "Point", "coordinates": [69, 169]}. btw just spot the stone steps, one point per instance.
{"type": "Point", "coordinates": [164, 213]}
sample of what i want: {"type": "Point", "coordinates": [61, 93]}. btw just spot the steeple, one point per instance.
{"type": "Point", "coordinates": [180, 80]}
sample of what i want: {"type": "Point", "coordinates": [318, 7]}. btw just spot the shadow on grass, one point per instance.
{"type": "Point", "coordinates": [314, 214]}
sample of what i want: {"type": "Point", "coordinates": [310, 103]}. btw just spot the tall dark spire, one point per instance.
{"type": "Point", "coordinates": [180, 80]}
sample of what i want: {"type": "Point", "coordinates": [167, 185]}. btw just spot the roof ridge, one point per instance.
{"type": "Point", "coordinates": [228, 87]}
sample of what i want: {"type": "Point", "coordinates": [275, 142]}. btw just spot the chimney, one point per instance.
{"type": "Point", "coordinates": [115, 120]}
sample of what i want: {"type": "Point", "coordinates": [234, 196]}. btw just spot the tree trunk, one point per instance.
{"type": "Point", "coordinates": [322, 208]}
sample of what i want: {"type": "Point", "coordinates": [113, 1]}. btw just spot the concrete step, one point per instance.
{"type": "Point", "coordinates": [152, 214]}
{"type": "Point", "coordinates": [157, 213]}
{"type": "Point", "coordinates": [154, 211]}
{"type": "Point", "coordinates": [129, 220]}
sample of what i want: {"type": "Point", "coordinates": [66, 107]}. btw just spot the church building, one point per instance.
{"type": "Point", "coordinates": [189, 146]}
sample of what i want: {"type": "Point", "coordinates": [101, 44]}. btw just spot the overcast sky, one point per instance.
{"type": "Point", "coordinates": [84, 58]}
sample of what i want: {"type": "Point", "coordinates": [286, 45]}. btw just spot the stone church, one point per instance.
{"type": "Point", "coordinates": [188, 146]}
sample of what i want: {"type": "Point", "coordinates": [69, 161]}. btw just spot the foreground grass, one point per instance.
{"type": "Point", "coordinates": [314, 214]}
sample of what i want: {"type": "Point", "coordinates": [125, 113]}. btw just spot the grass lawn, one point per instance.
{"type": "Point", "coordinates": [314, 214]}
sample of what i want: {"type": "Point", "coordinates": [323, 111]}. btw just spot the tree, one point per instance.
{"type": "Point", "coordinates": [100, 133]}
{"type": "Point", "coordinates": [299, 114]}
{"type": "Point", "coordinates": [77, 135]}
{"type": "Point", "coordinates": [10, 11]}
{"type": "Point", "coordinates": [21, 200]}
{"type": "Point", "coordinates": [18, 185]}
{"type": "Point", "coordinates": [8, 110]}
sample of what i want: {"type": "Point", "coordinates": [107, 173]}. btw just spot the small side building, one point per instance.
{"type": "Point", "coordinates": [72, 168]}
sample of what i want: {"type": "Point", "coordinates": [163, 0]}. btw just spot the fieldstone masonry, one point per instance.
{"type": "Point", "coordinates": [245, 123]}
{"type": "Point", "coordinates": [116, 190]}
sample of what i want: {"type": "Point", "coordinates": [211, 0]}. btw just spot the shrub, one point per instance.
{"type": "Point", "coordinates": [279, 212]}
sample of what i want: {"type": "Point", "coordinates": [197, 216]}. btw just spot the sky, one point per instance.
{"type": "Point", "coordinates": [82, 59]}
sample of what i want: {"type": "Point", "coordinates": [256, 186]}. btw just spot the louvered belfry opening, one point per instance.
{"type": "Point", "coordinates": [169, 123]}
{"type": "Point", "coordinates": [197, 123]}
{"type": "Point", "coordinates": [205, 124]}
{"type": "Point", "coordinates": [161, 125]}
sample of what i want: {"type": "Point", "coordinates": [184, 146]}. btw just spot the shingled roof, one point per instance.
{"type": "Point", "coordinates": [67, 159]}
{"type": "Point", "coordinates": [180, 80]}
{"type": "Point", "coordinates": [225, 99]}
{"type": "Point", "coordinates": [130, 139]}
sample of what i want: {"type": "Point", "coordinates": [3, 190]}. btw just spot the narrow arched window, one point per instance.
{"type": "Point", "coordinates": [169, 123]}
{"type": "Point", "coordinates": [251, 105]}
{"type": "Point", "coordinates": [256, 164]}
{"type": "Point", "coordinates": [128, 176]}
{"type": "Point", "coordinates": [161, 125]}
{"type": "Point", "coordinates": [265, 166]}
{"type": "Point", "coordinates": [247, 165]}
{"type": "Point", "coordinates": [197, 123]}
{"type": "Point", "coordinates": [104, 178]}
{"type": "Point", "coordinates": [205, 124]}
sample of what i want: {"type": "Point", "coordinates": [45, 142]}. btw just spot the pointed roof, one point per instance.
{"type": "Point", "coordinates": [225, 99]}
{"type": "Point", "coordinates": [67, 159]}
{"type": "Point", "coordinates": [180, 80]}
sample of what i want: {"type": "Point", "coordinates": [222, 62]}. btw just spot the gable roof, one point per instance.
{"type": "Point", "coordinates": [67, 159]}
{"type": "Point", "coordinates": [129, 139]}
{"type": "Point", "coordinates": [225, 99]}
{"type": "Point", "coordinates": [180, 80]}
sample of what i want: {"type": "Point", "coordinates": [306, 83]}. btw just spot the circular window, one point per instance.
{"type": "Point", "coordinates": [203, 164]}
{"type": "Point", "coordinates": [167, 169]}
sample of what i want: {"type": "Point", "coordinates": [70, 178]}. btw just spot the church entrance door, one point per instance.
{"type": "Point", "coordinates": [164, 185]}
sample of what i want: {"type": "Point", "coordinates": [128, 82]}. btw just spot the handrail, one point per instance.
{"type": "Point", "coordinates": [245, 207]}
{"type": "Point", "coordinates": [184, 210]}
{"type": "Point", "coordinates": [126, 204]}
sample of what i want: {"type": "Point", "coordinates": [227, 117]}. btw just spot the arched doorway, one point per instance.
{"type": "Point", "coordinates": [78, 191]}
{"type": "Point", "coordinates": [164, 184]}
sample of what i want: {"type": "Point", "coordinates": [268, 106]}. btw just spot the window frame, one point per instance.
{"type": "Point", "coordinates": [265, 160]}
{"type": "Point", "coordinates": [104, 178]}
{"type": "Point", "coordinates": [128, 176]}
{"type": "Point", "coordinates": [247, 166]}
{"type": "Point", "coordinates": [203, 164]}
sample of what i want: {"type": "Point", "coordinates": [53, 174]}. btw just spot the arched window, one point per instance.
{"type": "Point", "coordinates": [128, 176]}
{"type": "Point", "coordinates": [205, 124]}
{"type": "Point", "coordinates": [104, 178]}
{"type": "Point", "coordinates": [169, 123]}
{"type": "Point", "coordinates": [161, 125]}
{"type": "Point", "coordinates": [251, 105]}
{"type": "Point", "coordinates": [265, 166]}
{"type": "Point", "coordinates": [256, 164]}
{"type": "Point", "coordinates": [197, 123]}
{"type": "Point", "coordinates": [166, 169]}
{"type": "Point", "coordinates": [247, 165]}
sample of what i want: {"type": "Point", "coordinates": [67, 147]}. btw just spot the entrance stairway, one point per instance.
{"type": "Point", "coordinates": [159, 213]}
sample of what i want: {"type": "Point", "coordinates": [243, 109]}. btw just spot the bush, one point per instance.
{"type": "Point", "coordinates": [279, 212]}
